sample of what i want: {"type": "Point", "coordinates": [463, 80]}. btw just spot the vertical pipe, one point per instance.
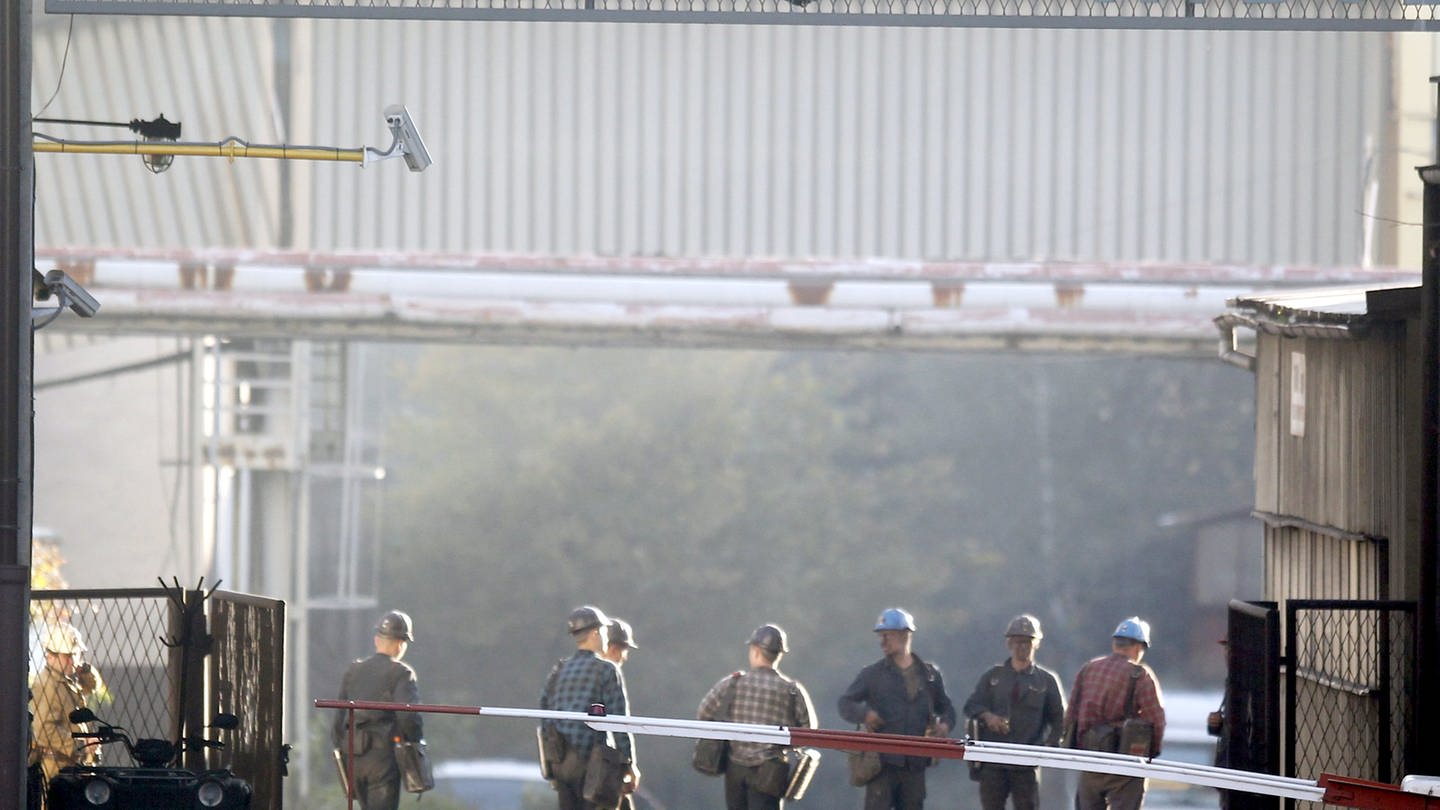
{"type": "Point", "coordinates": [281, 41]}
{"type": "Point", "coordinates": [1427, 708]}
{"type": "Point", "coordinates": [297, 638]}
{"type": "Point", "coordinates": [16, 400]}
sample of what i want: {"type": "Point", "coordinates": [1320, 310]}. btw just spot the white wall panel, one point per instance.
{"type": "Point", "coordinates": [213, 76]}
{"type": "Point", "coordinates": [682, 140]}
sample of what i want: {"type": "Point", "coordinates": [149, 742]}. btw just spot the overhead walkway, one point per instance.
{"type": "Point", "coordinates": [738, 303]}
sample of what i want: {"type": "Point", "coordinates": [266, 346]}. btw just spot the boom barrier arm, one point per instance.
{"type": "Point", "coordinates": [1330, 789]}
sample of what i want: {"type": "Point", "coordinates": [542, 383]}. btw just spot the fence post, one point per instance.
{"type": "Point", "coordinates": [1288, 658]}
{"type": "Point", "coordinates": [190, 643]}
{"type": "Point", "coordinates": [192, 710]}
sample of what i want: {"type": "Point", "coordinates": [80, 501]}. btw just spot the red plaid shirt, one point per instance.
{"type": "Point", "coordinates": [1098, 696]}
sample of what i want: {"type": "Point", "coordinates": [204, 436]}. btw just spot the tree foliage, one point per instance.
{"type": "Point", "coordinates": [699, 494]}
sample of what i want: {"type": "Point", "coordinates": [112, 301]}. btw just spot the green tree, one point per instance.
{"type": "Point", "coordinates": [701, 493]}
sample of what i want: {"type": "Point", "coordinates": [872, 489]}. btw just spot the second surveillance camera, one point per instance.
{"type": "Point", "coordinates": [80, 301]}
{"type": "Point", "coordinates": [407, 137]}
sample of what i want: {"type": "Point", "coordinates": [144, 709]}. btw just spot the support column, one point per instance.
{"type": "Point", "coordinates": [17, 422]}
{"type": "Point", "coordinates": [1426, 759]}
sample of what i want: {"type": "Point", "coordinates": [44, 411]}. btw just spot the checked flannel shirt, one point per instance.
{"type": "Point", "coordinates": [585, 678]}
{"type": "Point", "coordinates": [765, 697]}
{"type": "Point", "coordinates": [1101, 686]}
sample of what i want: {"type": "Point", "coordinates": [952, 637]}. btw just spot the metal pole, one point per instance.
{"type": "Point", "coordinates": [16, 400]}
{"type": "Point", "coordinates": [1427, 708]}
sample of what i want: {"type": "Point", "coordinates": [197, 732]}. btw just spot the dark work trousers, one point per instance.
{"type": "Point", "coordinates": [740, 792]}
{"type": "Point", "coordinates": [1098, 791]}
{"type": "Point", "coordinates": [377, 779]}
{"type": "Point", "coordinates": [570, 785]}
{"type": "Point", "coordinates": [570, 794]}
{"type": "Point", "coordinates": [1020, 784]}
{"type": "Point", "coordinates": [896, 789]}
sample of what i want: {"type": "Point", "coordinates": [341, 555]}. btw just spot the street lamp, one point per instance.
{"type": "Point", "coordinates": [156, 131]}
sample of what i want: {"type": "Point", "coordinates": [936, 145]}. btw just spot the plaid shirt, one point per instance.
{"type": "Point", "coordinates": [585, 678]}
{"type": "Point", "coordinates": [1101, 687]}
{"type": "Point", "coordinates": [764, 697]}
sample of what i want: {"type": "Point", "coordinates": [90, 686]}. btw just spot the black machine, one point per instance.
{"type": "Point", "coordinates": [153, 783]}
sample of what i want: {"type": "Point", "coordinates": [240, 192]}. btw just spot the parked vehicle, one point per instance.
{"type": "Point", "coordinates": [493, 784]}
{"type": "Point", "coordinates": [154, 782]}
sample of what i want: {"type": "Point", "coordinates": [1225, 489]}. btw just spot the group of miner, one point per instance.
{"type": "Point", "coordinates": [1115, 704]}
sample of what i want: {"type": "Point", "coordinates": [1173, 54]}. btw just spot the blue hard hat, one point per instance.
{"type": "Point", "coordinates": [895, 619]}
{"type": "Point", "coordinates": [1135, 629]}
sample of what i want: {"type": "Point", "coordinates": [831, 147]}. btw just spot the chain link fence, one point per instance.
{"type": "Point", "coordinates": [164, 654]}
{"type": "Point", "coordinates": [1349, 682]}
{"type": "Point", "coordinates": [125, 632]}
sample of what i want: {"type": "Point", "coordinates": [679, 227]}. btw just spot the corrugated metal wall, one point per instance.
{"type": "Point", "coordinates": [1345, 479]}
{"type": "Point", "coordinates": [213, 76]}
{"type": "Point", "coordinates": [718, 140]}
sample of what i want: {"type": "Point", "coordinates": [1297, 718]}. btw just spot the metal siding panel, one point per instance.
{"type": "Point", "coordinates": [758, 158]}
{"type": "Point", "coordinates": [976, 205]}
{"type": "Point", "coordinates": [1158, 161]}
{"type": "Point", "coordinates": [651, 120]}
{"type": "Point", "coordinates": [456, 126]}
{"type": "Point", "coordinates": [1093, 142]}
{"type": "Point", "coordinates": [1063, 187]}
{"type": "Point", "coordinates": [686, 140]}
{"type": "Point", "coordinates": [138, 68]}
{"type": "Point", "coordinates": [930, 221]}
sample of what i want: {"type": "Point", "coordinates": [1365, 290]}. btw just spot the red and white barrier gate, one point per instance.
{"type": "Point", "coordinates": [1415, 793]}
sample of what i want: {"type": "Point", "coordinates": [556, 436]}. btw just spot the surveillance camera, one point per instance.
{"type": "Point", "coordinates": [38, 290]}
{"type": "Point", "coordinates": [72, 294]}
{"type": "Point", "coordinates": [407, 137]}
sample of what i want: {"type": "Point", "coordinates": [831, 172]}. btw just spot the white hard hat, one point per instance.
{"type": "Point", "coordinates": [64, 638]}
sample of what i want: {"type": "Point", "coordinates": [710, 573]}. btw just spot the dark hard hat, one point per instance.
{"type": "Point", "coordinates": [1024, 625]}
{"type": "Point", "coordinates": [396, 625]}
{"type": "Point", "coordinates": [621, 633]}
{"type": "Point", "coordinates": [587, 617]}
{"type": "Point", "coordinates": [770, 638]}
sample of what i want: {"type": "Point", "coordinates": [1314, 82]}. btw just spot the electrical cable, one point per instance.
{"type": "Point", "coordinates": [64, 60]}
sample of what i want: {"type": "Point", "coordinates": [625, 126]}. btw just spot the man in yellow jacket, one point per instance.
{"type": "Point", "coordinates": [60, 688]}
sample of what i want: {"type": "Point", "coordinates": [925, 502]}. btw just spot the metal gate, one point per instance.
{"type": "Point", "coordinates": [1250, 738]}
{"type": "Point", "coordinates": [1350, 675]}
{"type": "Point", "coordinates": [247, 672]}
{"type": "Point", "coordinates": [171, 658]}
{"type": "Point", "coordinates": [1339, 686]}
